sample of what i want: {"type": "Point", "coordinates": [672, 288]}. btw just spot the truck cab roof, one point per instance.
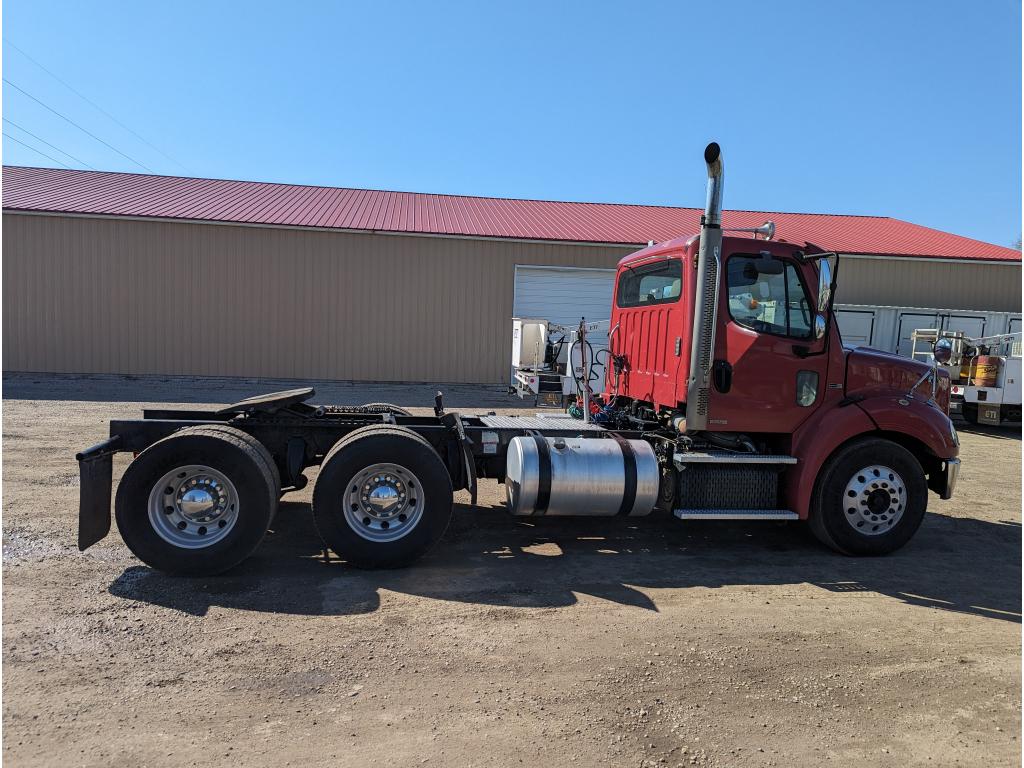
{"type": "Point", "coordinates": [728, 244]}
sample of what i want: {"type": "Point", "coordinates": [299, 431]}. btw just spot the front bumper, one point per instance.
{"type": "Point", "coordinates": [952, 474]}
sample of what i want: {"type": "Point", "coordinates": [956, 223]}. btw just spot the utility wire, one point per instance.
{"type": "Point", "coordinates": [93, 103]}
{"type": "Point", "coordinates": [54, 146]}
{"type": "Point", "coordinates": [83, 130]}
{"type": "Point", "coordinates": [29, 146]}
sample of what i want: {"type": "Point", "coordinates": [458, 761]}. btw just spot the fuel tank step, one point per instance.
{"type": "Point", "coordinates": [736, 514]}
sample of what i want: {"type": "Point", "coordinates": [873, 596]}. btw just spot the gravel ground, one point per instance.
{"type": "Point", "coordinates": [552, 642]}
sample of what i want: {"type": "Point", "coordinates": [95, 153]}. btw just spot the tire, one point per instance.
{"type": "Point", "coordinates": [970, 413]}
{"type": "Point", "coordinates": [375, 466]}
{"type": "Point", "coordinates": [169, 531]}
{"type": "Point", "coordinates": [387, 408]}
{"type": "Point", "coordinates": [856, 507]}
{"type": "Point", "coordinates": [256, 445]}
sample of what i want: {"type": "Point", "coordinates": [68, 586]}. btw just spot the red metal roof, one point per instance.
{"type": "Point", "coordinates": [128, 194]}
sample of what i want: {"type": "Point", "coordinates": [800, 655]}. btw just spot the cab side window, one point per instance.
{"type": "Point", "coordinates": [768, 303]}
{"type": "Point", "coordinates": [657, 283]}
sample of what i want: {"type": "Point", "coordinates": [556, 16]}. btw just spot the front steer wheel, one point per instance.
{"type": "Point", "coordinates": [383, 497]}
{"type": "Point", "coordinates": [197, 502]}
{"type": "Point", "coordinates": [870, 498]}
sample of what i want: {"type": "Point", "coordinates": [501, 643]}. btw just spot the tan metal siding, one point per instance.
{"type": "Point", "coordinates": [947, 285]}
{"type": "Point", "coordinates": [97, 295]}
{"type": "Point", "coordinates": [104, 295]}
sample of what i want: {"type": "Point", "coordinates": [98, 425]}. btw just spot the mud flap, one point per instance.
{"type": "Point", "coordinates": [453, 422]}
{"type": "Point", "coordinates": [96, 467]}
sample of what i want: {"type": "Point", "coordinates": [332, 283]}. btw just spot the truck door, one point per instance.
{"type": "Point", "coordinates": [769, 372]}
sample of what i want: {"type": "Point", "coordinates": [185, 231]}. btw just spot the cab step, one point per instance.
{"type": "Point", "coordinates": [731, 457]}
{"type": "Point", "coordinates": [736, 514]}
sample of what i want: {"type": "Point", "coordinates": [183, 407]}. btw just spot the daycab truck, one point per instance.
{"type": "Point", "coordinates": [728, 395]}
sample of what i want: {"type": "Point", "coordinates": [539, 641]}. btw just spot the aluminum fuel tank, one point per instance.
{"type": "Point", "coordinates": [598, 477]}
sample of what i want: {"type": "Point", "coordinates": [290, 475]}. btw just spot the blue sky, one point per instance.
{"type": "Point", "coordinates": [906, 109]}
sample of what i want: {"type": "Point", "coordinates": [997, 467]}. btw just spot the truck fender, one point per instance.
{"type": "Point", "coordinates": [814, 441]}
{"type": "Point", "coordinates": [915, 419]}
{"type": "Point", "coordinates": [918, 426]}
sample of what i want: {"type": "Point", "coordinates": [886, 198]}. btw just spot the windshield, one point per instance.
{"type": "Point", "coordinates": [769, 303]}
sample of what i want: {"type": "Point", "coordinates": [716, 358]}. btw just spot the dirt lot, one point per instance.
{"type": "Point", "coordinates": [513, 643]}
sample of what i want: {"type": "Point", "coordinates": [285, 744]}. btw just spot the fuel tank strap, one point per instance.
{"type": "Point", "coordinates": [540, 507]}
{"type": "Point", "coordinates": [629, 463]}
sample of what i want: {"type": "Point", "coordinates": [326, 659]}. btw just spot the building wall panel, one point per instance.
{"type": "Point", "coordinates": [104, 295]}
{"type": "Point", "coordinates": [943, 284]}
{"type": "Point", "coordinates": [97, 295]}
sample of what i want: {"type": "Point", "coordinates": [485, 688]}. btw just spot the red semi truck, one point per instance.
{"type": "Point", "coordinates": [729, 395]}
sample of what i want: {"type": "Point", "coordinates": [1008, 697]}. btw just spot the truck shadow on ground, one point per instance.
{"type": "Point", "coordinates": [490, 558]}
{"type": "Point", "coordinates": [1000, 433]}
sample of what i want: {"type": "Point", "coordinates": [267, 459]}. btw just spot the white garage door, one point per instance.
{"type": "Point", "coordinates": [564, 295]}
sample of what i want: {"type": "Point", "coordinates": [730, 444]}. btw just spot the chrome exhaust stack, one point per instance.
{"type": "Point", "coordinates": [705, 305]}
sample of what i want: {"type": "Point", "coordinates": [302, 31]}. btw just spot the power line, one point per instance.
{"type": "Point", "coordinates": [54, 146]}
{"type": "Point", "coordinates": [93, 103]}
{"type": "Point", "coordinates": [29, 146]}
{"type": "Point", "coordinates": [83, 130]}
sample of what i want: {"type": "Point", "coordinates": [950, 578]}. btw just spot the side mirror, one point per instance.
{"type": "Point", "coordinates": [820, 326]}
{"type": "Point", "coordinates": [824, 284]}
{"type": "Point", "coordinates": [942, 351]}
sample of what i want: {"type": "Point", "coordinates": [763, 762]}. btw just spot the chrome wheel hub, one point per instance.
{"type": "Point", "coordinates": [874, 500]}
{"type": "Point", "coordinates": [383, 502]}
{"type": "Point", "coordinates": [193, 506]}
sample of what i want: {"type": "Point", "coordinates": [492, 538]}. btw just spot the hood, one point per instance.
{"type": "Point", "coordinates": [871, 372]}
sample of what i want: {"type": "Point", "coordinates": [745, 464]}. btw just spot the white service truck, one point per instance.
{"type": "Point", "coordinates": [554, 364]}
{"type": "Point", "coordinates": [985, 374]}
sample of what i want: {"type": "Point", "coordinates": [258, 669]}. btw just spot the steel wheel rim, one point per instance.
{"type": "Point", "coordinates": [383, 502]}
{"type": "Point", "coordinates": [874, 500]}
{"type": "Point", "coordinates": [193, 506]}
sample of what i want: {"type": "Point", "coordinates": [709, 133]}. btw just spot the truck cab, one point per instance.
{"type": "Point", "coordinates": [729, 342]}
{"type": "Point", "coordinates": [766, 351]}
{"type": "Point", "coordinates": [781, 383]}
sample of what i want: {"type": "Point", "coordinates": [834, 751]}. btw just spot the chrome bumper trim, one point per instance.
{"type": "Point", "coordinates": [952, 474]}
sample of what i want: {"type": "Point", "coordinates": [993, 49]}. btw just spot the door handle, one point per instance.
{"type": "Point", "coordinates": [721, 376]}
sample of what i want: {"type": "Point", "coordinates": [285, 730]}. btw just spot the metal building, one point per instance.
{"type": "Point", "coordinates": [125, 273]}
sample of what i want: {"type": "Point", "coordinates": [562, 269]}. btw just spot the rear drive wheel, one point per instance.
{"type": "Point", "coordinates": [258, 447]}
{"type": "Point", "coordinates": [197, 502]}
{"type": "Point", "coordinates": [870, 498]}
{"type": "Point", "coordinates": [383, 497]}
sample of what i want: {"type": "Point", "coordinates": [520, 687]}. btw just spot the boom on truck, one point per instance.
{"type": "Point", "coordinates": [728, 395]}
